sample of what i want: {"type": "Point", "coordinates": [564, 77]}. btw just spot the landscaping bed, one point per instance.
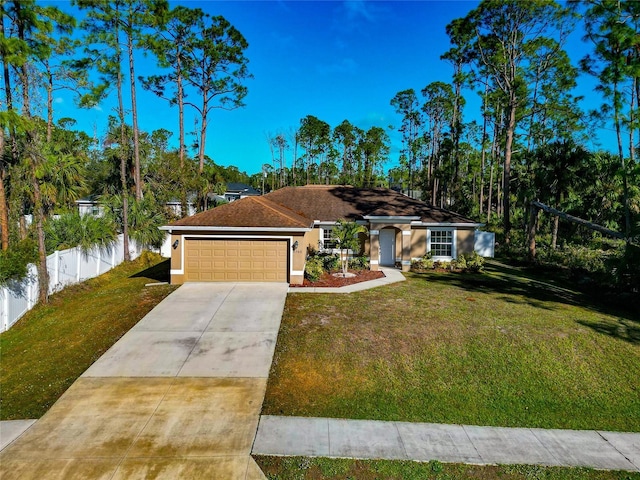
{"type": "Point", "coordinates": [329, 280]}
{"type": "Point", "coordinates": [53, 344]}
{"type": "Point", "coordinates": [481, 349]}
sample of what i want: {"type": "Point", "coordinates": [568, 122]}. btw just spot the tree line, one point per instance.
{"type": "Point", "coordinates": [345, 154]}
{"type": "Point", "coordinates": [46, 166]}
{"type": "Point", "coordinates": [529, 144]}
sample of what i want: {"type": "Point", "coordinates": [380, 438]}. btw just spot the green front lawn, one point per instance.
{"type": "Point", "coordinates": [52, 345]}
{"type": "Point", "coordinates": [304, 468]}
{"type": "Point", "coordinates": [494, 349]}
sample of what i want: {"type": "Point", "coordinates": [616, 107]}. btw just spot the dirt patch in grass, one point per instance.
{"type": "Point", "coordinates": [468, 349]}
{"type": "Point", "coordinates": [305, 468]}
{"type": "Point", "coordinates": [328, 280]}
{"type": "Point", "coordinates": [53, 344]}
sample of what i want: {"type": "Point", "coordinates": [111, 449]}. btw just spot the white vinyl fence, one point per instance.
{"type": "Point", "coordinates": [65, 267]}
{"type": "Point", "coordinates": [485, 243]}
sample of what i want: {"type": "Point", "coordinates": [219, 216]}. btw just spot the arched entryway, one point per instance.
{"type": "Point", "coordinates": [388, 246]}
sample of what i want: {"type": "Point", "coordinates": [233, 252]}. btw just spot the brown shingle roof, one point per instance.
{"type": "Point", "coordinates": [248, 212]}
{"type": "Point", "coordinates": [298, 207]}
{"type": "Point", "coordinates": [332, 202]}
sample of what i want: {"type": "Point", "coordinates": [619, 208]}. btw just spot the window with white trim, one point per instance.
{"type": "Point", "coordinates": [441, 243]}
{"type": "Point", "coordinates": [328, 240]}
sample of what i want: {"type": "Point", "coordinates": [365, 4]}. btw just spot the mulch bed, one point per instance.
{"type": "Point", "coordinates": [328, 280]}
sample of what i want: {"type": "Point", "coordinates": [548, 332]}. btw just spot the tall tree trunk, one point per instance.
{"type": "Point", "coordinates": [7, 86]}
{"type": "Point", "coordinates": [203, 126]}
{"type": "Point", "coordinates": [490, 193]}
{"type": "Point", "coordinates": [38, 210]}
{"type": "Point", "coordinates": [183, 188]}
{"type": "Point", "coordinates": [123, 160]}
{"type": "Point", "coordinates": [554, 232]}
{"type": "Point", "coordinates": [24, 72]}
{"type": "Point", "coordinates": [533, 224]}
{"type": "Point", "coordinates": [180, 112]}
{"type": "Point", "coordinates": [49, 102]}
{"type": "Point", "coordinates": [636, 84]}
{"type": "Point", "coordinates": [32, 142]}
{"type": "Point", "coordinates": [483, 148]}
{"type": "Point", "coordinates": [632, 121]}
{"type": "Point", "coordinates": [137, 176]}
{"type": "Point", "coordinates": [203, 139]}
{"type": "Point", "coordinates": [499, 194]}
{"type": "Point", "coordinates": [506, 189]}
{"type": "Point", "coordinates": [625, 186]}
{"type": "Point", "coordinates": [4, 205]}
{"type": "Point", "coordinates": [293, 161]}
{"type": "Point", "coordinates": [308, 162]}
{"type": "Point", "coordinates": [5, 64]}
{"type": "Point", "coordinates": [4, 211]}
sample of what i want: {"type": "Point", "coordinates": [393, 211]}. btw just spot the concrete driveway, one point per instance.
{"type": "Point", "coordinates": [178, 396]}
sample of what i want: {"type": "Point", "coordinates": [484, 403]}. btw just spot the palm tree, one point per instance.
{"type": "Point", "coordinates": [346, 234]}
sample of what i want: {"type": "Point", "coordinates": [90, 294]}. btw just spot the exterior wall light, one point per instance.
{"type": "Point", "coordinates": [295, 245]}
{"type": "Point", "coordinates": [175, 244]}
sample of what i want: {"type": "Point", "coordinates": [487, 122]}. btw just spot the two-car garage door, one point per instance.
{"type": "Point", "coordinates": [219, 260]}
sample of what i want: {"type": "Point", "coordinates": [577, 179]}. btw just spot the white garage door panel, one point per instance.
{"type": "Point", "coordinates": [236, 260]}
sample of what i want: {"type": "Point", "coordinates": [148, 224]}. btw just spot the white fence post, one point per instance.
{"type": "Point", "coordinates": [78, 263]}
{"type": "Point", "coordinates": [56, 262]}
{"type": "Point", "coordinates": [32, 287]}
{"type": "Point", "coordinates": [5, 309]}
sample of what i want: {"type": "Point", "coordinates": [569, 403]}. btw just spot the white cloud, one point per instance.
{"type": "Point", "coordinates": [357, 16]}
{"type": "Point", "coordinates": [359, 9]}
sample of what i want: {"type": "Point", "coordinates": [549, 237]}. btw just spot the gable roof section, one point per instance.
{"type": "Point", "coordinates": [320, 202]}
{"type": "Point", "coordinates": [330, 203]}
{"type": "Point", "coordinates": [255, 212]}
{"type": "Point", "coordinates": [299, 207]}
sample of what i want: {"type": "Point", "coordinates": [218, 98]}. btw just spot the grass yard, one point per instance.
{"type": "Point", "coordinates": [499, 349]}
{"type": "Point", "coordinates": [304, 468]}
{"type": "Point", "coordinates": [52, 345]}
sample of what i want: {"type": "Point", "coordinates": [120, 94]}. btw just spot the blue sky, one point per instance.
{"type": "Point", "coordinates": [335, 60]}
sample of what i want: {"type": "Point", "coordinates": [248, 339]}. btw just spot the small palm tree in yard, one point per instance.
{"type": "Point", "coordinates": [346, 235]}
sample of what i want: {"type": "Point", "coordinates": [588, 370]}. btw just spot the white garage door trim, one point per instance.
{"type": "Point", "coordinates": [289, 240]}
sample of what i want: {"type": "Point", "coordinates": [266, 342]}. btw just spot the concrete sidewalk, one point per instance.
{"type": "Point", "coordinates": [326, 437]}
{"type": "Point", "coordinates": [178, 396]}
{"type": "Point", "coordinates": [392, 275]}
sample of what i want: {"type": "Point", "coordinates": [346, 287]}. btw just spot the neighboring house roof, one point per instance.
{"type": "Point", "coordinates": [243, 188]}
{"type": "Point", "coordinates": [299, 207]}
{"type": "Point", "coordinates": [87, 200]}
{"type": "Point", "coordinates": [248, 212]}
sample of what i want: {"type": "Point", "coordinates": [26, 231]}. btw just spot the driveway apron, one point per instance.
{"type": "Point", "coordinates": [178, 396]}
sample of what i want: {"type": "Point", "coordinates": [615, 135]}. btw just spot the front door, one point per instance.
{"type": "Point", "coordinates": [388, 247]}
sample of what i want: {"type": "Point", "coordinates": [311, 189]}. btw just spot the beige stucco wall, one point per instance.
{"type": "Point", "coordinates": [465, 241]}
{"type": "Point", "coordinates": [418, 242]}
{"type": "Point", "coordinates": [176, 260]}
{"type": "Point", "coordinates": [298, 258]}
{"type": "Point", "coordinates": [311, 240]}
